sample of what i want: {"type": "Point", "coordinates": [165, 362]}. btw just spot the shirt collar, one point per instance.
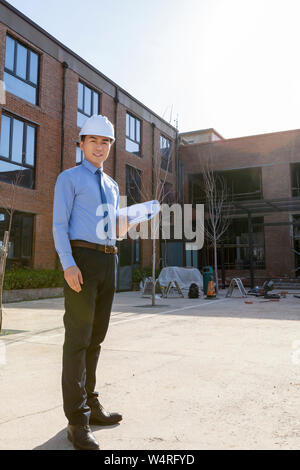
{"type": "Point", "coordinates": [91, 167]}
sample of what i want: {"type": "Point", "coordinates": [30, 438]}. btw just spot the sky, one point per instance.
{"type": "Point", "coordinates": [232, 65]}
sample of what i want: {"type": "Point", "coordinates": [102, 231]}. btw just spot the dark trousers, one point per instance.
{"type": "Point", "coordinates": [86, 321]}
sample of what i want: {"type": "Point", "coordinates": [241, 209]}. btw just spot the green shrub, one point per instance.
{"type": "Point", "coordinates": [32, 279]}
{"type": "Point", "coordinates": [139, 274]}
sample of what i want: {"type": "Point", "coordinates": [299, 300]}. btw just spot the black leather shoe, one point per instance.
{"type": "Point", "coordinates": [82, 437]}
{"type": "Point", "coordinates": [102, 417]}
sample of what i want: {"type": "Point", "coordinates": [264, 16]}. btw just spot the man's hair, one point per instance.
{"type": "Point", "coordinates": [84, 136]}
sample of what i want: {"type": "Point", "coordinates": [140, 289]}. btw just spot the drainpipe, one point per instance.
{"type": "Point", "coordinates": [251, 261]}
{"type": "Point", "coordinates": [116, 99]}
{"type": "Point", "coordinates": [153, 183]}
{"type": "Point", "coordinates": [62, 154]}
{"type": "Point", "coordinates": [177, 166]}
{"type": "Point", "coordinates": [62, 131]}
{"type": "Point", "coordinates": [180, 191]}
{"type": "Point", "coordinates": [153, 160]}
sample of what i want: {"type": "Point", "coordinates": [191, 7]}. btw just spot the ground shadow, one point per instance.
{"type": "Point", "coordinates": [235, 307]}
{"type": "Point", "coordinates": [61, 442]}
{"type": "Point", "coordinates": [285, 309]}
{"type": "Point", "coordinates": [55, 303]}
{"type": "Point", "coordinates": [58, 442]}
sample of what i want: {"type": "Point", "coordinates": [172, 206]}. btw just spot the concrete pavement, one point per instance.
{"type": "Point", "coordinates": [186, 374]}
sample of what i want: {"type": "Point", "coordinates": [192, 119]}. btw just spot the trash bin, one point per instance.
{"type": "Point", "coordinates": [207, 273]}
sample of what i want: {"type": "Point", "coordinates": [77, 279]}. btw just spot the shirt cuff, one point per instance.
{"type": "Point", "coordinates": [67, 261]}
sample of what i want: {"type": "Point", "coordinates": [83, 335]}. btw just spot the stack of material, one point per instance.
{"type": "Point", "coordinates": [183, 276]}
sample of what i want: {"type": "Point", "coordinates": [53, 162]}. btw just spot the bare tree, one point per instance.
{"type": "Point", "coordinates": [9, 204]}
{"type": "Point", "coordinates": [217, 218]}
{"type": "Point", "coordinates": [160, 194]}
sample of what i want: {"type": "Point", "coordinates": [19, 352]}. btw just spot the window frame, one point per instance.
{"type": "Point", "coordinates": [82, 155]}
{"type": "Point", "coordinates": [168, 160]}
{"type": "Point", "coordinates": [128, 137]}
{"type": "Point", "coordinates": [165, 194]}
{"type": "Point", "coordinates": [294, 174]}
{"type": "Point", "coordinates": [138, 172]}
{"type": "Point", "coordinates": [13, 72]}
{"type": "Point", "coordinates": [22, 164]}
{"type": "Point", "coordinates": [81, 110]}
{"type": "Point", "coordinates": [20, 239]}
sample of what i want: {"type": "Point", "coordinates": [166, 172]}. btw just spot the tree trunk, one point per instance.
{"type": "Point", "coordinates": [216, 267]}
{"type": "Point", "coordinates": [153, 271]}
{"type": "Point", "coordinates": [2, 272]}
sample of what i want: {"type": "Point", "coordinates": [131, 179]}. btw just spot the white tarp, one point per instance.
{"type": "Point", "coordinates": [184, 276]}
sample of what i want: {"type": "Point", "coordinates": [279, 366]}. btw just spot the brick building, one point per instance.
{"type": "Point", "coordinates": [50, 91]}
{"type": "Point", "coordinates": [262, 173]}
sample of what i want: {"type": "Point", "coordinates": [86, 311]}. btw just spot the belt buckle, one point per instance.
{"type": "Point", "coordinates": [106, 249]}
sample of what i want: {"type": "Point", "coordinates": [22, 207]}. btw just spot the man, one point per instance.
{"type": "Point", "coordinates": [85, 237]}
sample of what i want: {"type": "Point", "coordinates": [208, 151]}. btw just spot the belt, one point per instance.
{"type": "Point", "coordinates": [112, 250]}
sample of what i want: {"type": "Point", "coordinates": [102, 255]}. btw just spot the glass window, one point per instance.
{"type": "Point", "coordinates": [191, 256]}
{"type": "Point", "coordinates": [88, 103]}
{"type": "Point", "coordinates": [133, 135]}
{"type": "Point", "coordinates": [19, 88]}
{"type": "Point", "coordinates": [165, 152]}
{"type": "Point", "coordinates": [9, 172]}
{"type": "Point", "coordinates": [21, 70]}
{"type": "Point", "coordinates": [236, 244]}
{"type": "Point", "coordinates": [132, 129]}
{"type": "Point", "coordinates": [138, 130]}
{"type": "Point", "coordinates": [30, 145]}
{"type": "Point", "coordinates": [5, 132]}
{"type": "Point", "coordinates": [10, 53]}
{"type": "Point", "coordinates": [79, 155]}
{"type": "Point", "coordinates": [26, 239]}
{"type": "Point", "coordinates": [17, 151]}
{"type": "Point", "coordinates": [132, 147]}
{"type": "Point", "coordinates": [295, 179]}
{"type": "Point", "coordinates": [80, 96]}
{"type": "Point", "coordinates": [167, 193]}
{"type": "Point", "coordinates": [21, 238]}
{"type": "Point", "coordinates": [245, 184]}
{"type": "Point", "coordinates": [96, 103]}
{"type": "Point", "coordinates": [17, 141]}
{"type": "Point", "coordinates": [81, 118]}
{"type": "Point", "coordinates": [34, 67]}
{"type": "Point", "coordinates": [133, 185]}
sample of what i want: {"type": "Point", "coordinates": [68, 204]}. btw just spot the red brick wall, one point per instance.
{"type": "Point", "coordinates": [48, 114]}
{"type": "Point", "coordinates": [274, 153]}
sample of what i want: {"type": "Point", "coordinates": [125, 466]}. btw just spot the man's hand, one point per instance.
{"type": "Point", "coordinates": [74, 278]}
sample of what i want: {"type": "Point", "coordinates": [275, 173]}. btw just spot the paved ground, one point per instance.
{"type": "Point", "coordinates": [187, 374]}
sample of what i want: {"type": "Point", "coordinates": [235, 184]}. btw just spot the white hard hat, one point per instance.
{"type": "Point", "coordinates": [98, 125]}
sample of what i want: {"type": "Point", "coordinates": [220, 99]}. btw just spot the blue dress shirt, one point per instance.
{"type": "Point", "coordinates": [77, 209]}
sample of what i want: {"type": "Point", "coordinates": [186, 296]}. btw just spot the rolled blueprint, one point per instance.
{"type": "Point", "coordinates": [140, 212]}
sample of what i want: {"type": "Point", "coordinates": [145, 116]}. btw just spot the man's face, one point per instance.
{"type": "Point", "coordinates": [96, 149]}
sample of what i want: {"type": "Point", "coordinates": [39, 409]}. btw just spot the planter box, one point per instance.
{"type": "Point", "coordinates": [20, 295]}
